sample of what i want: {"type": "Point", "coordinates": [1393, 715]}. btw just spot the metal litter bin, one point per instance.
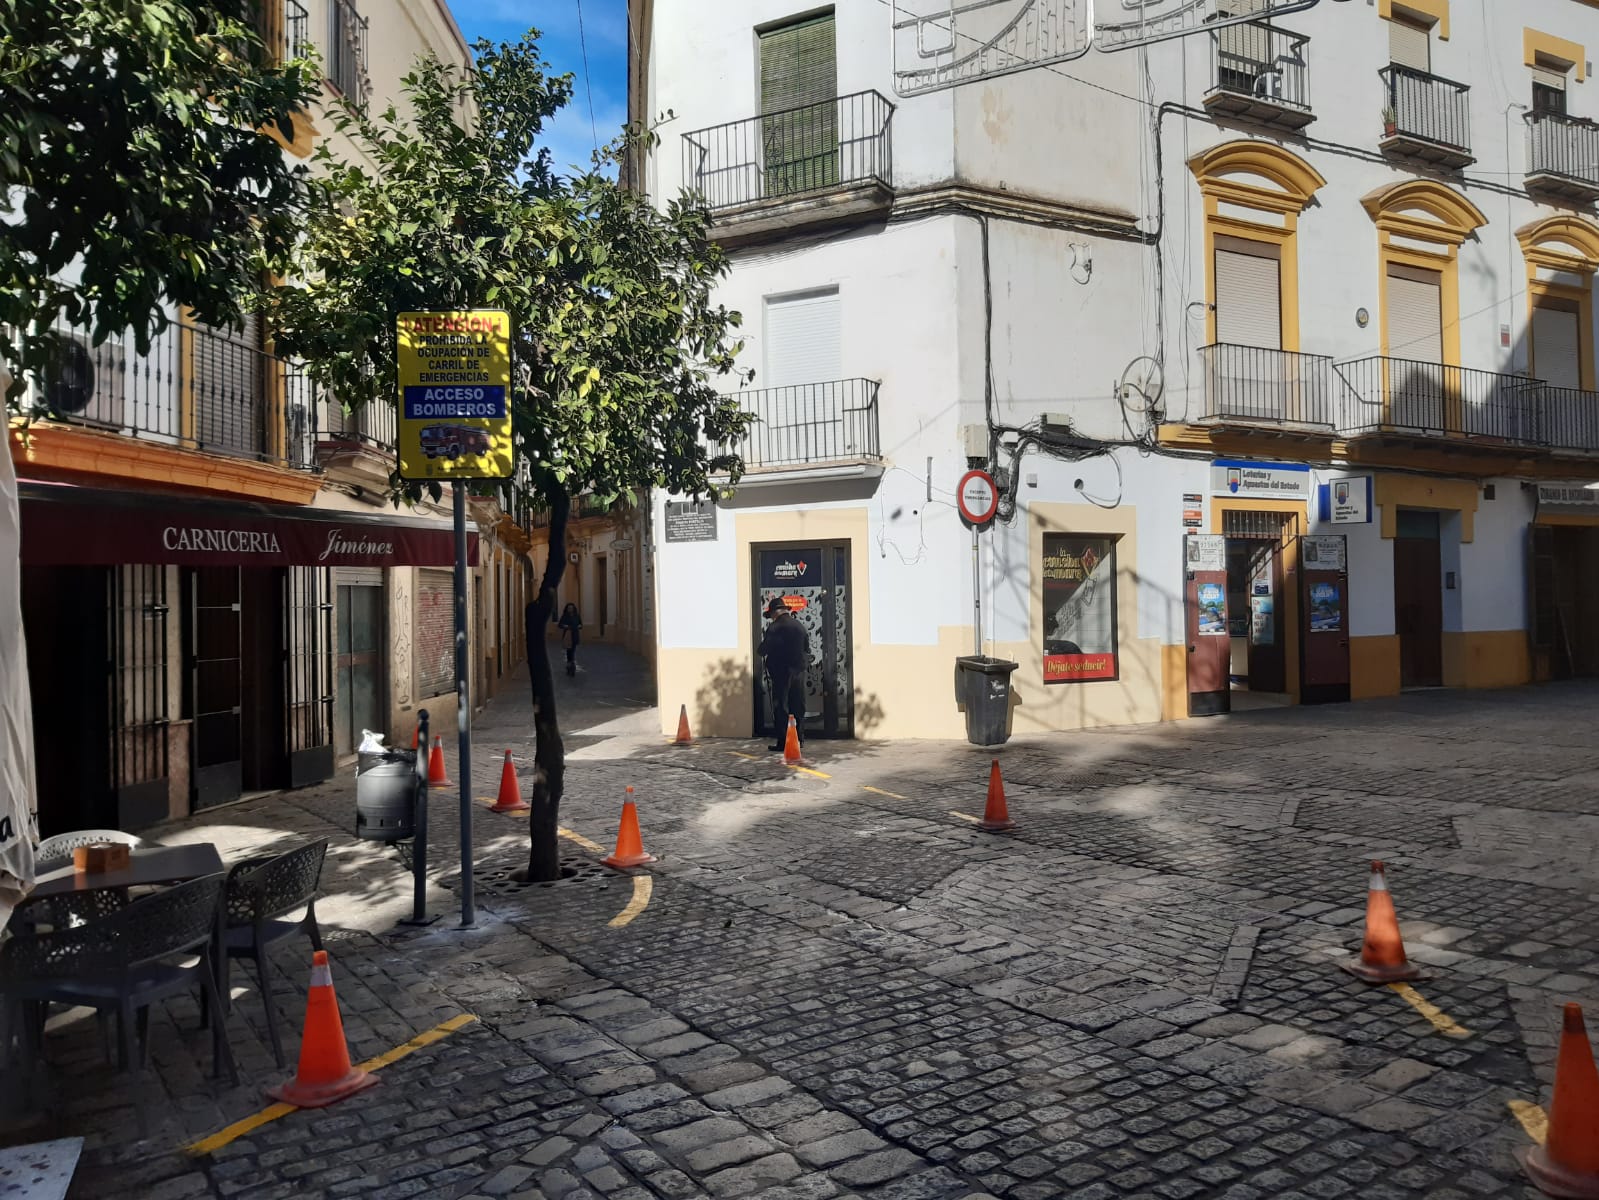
{"type": "Point", "coordinates": [985, 692]}
{"type": "Point", "coordinates": [386, 789]}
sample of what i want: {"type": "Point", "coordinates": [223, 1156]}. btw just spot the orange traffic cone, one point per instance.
{"type": "Point", "coordinates": [683, 737]}
{"type": "Point", "coordinates": [791, 746]}
{"type": "Point", "coordinates": [436, 775]}
{"type": "Point", "coordinates": [325, 1074]}
{"type": "Point", "coordinates": [1382, 955]}
{"type": "Point", "coordinates": [1567, 1164]}
{"type": "Point", "coordinates": [510, 797]}
{"type": "Point", "coordinates": [629, 846]}
{"type": "Point", "coordinates": [996, 816]}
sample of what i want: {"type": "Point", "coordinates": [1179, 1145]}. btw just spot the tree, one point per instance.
{"type": "Point", "coordinates": [131, 143]}
{"type": "Point", "coordinates": [615, 337]}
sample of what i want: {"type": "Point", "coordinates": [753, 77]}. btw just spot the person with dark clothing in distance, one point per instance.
{"type": "Point", "coordinates": [786, 649]}
{"type": "Point", "coordinates": [570, 626]}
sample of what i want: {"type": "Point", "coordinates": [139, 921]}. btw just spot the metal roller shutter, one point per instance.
{"type": "Point", "coordinates": [1556, 347]}
{"type": "Point", "coordinates": [1415, 315]}
{"type": "Point", "coordinates": [359, 576]}
{"type": "Point", "coordinates": [803, 339]}
{"type": "Point", "coordinates": [1410, 45]}
{"type": "Point", "coordinates": [1248, 300]}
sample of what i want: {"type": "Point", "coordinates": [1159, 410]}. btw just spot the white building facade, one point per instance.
{"type": "Point", "coordinates": [1278, 338]}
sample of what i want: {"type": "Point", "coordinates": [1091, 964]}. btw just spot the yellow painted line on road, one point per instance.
{"type": "Point", "coordinates": [881, 792]}
{"type": "Point", "coordinates": [580, 840]}
{"type": "Point", "coordinates": [272, 1112]}
{"type": "Point", "coordinates": [643, 888]}
{"type": "Point", "coordinates": [745, 757]}
{"type": "Point", "coordinates": [965, 816]}
{"type": "Point", "coordinates": [1533, 1119]}
{"type": "Point", "coordinates": [808, 771]}
{"type": "Point", "coordinates": [1440, 1020]}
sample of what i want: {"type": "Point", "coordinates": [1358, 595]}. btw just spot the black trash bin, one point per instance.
{"type": "Point", "coordinates": [386, 788]}
{"type": "Point", "coordinates": [985, 691]}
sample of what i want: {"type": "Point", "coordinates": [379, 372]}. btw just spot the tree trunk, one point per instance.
{"type": "Point", "coordinates": [549, 753]}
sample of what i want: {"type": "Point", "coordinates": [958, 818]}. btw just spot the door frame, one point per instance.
{"type": "Point", "coordinates": [828, 547]}
{"type": "Point", "coordinates": [1288, 618]}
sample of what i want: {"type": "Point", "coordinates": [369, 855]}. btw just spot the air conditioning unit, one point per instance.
{"type": "Point", "coordinates": [1269, 84]}
{"type": "Point", "coordinates": [69, 387]}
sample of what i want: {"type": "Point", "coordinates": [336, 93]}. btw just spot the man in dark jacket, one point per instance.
{"type": "Point", "coordinates": [786, 650]}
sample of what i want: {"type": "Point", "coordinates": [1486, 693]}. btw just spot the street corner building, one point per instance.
{"type": "Point", "coordinates": [1288, 387]}
{"type": "Point", "coordinates": [218, 597]}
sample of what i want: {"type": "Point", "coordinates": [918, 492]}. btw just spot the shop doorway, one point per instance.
{"type": "Point", "coordinates": [358, 663]}
{"type": "Point", "coordinates": [1565, 601]}
{"type": "Point", "coordinates": [1259, 627]}
{"type": "Point", "coordinates": [813, 579]}
{"type": "Point", "coordinates": [1419, 598]}
{"type": "Point", "coordinates": [214, 678]}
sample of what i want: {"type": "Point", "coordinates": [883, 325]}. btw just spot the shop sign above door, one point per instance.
{"type": "Point", "coordinates": [1569, 495]}
{"type": "Point", "coordinates": [1259, 480]}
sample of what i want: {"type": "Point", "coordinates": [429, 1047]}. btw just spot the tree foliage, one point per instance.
{"type": "Point", "coordinates": [617, 343]}
{"type": "Point", "coordinates": [616, 339]}
{"type": "Point", "coordinates": [132, 144]}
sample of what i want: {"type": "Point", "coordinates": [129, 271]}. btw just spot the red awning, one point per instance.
{"type": "Point", "coordinates": [63, 525]}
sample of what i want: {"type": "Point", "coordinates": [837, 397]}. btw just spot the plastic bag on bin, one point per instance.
{"type": "Point", "coordinates": [371, 743]}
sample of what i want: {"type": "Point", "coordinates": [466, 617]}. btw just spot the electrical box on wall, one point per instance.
{"type": "Point", "coordinates": [975, 440]}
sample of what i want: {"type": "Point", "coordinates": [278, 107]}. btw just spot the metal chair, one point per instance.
{"type": "Point", "coordinates": [55, 851]}
{"type": "Point", "coordinates": [259, 891]}
{"type": "Point", "coordinates": [145, 952]}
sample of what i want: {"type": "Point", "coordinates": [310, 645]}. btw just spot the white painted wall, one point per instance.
{"type": "Point", "coordinates": [1493, 566]}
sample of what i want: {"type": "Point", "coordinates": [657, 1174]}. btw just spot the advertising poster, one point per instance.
{"type": "Point", "coordinates": [1212, 610]}
{"type": "Point", "coordinates": [1263, 629]}
{"type": "Point", "coordinates": [1079, 593]}
{"type": "Point", "coordinates": [1326, 614]}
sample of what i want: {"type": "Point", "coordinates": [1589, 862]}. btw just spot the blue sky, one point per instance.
{"type": "Point", "coordinates": [604, 24]}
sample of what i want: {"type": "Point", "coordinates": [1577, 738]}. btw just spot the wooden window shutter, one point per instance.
{"type": "Point", "coordinates": [799, 116]}
{"type": "Point", "coordinates": [1248, 295]}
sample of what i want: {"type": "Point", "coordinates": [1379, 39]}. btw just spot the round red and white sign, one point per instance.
{"type": "Point", "coordinates": [977, 497]}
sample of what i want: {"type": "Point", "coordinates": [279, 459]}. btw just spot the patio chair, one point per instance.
{"type": "Point", "coordinates": [56, 851]}
{"type": "Point", "coordinates": [147, 951]}
{"type": "Point", "coordinates": [259, 892]}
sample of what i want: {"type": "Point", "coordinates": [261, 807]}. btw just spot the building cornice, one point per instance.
{"type": "Point", "coordinates": [974, 200]}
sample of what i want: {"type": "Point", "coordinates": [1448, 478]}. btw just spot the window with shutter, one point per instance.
{"type": "Point", "coordinates": [228, 388]}
{"type": "Point", "coordinates": [1410, 44]}
{"type": "Point", "coordinates": [1548, 90]}
{"type": "Point", "coordinates": [1248, 294]}
{"type": "Point", "coordinates": [803, 339]}
{"type": "Point", "coordinates": [1243, 51]}
{"type": "Point", "coordinates": [1415, 314]}
{"type": "Point", "coordinates": [1556, 346]}
{"type": "Point", "coordinates": [799, 109]}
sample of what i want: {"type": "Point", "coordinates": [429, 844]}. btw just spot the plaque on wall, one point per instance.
{"type": "Point", "coordinates": [690, 521]}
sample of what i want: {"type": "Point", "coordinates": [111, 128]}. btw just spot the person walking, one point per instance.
{"type": "Point", "coordinates": [571, 626]}
{"type": "Point", "coordinates": [786, 650]}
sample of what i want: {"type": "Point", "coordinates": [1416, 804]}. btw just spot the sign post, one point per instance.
{"type": "Point", "coordinates": [977, 497]}
{"type": "Point", "coordinates": [455, 424]}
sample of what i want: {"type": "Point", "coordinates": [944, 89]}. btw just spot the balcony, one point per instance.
{"type": "Point", "coordinates": [1563, 156]}
{"type": "Point", "coordinates": [1273, 391]}
{"type": "Point", "coordinates": [1570, 420]}
{"type": "Point", "coordinates": [346, 55]}
{"type": "Point", "coordinates": [826, 427]}
{"type": "Point", "coordinates": [296, 31]}
{"type": "Point", "coordinates": [819, 163]}
{"type": "Point", "coordinates": [1400, 398]}
{"type": "Point", "coordinates": [197, 389]}
{"type": "Point", "coordinates": [1260, 73]}
{"type": "Point", "coordinates": [1425, 118]}
{"type": "Point", "coordinates": [370, 427]}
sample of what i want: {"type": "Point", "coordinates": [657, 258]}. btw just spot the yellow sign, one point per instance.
{"type": "Point", "coordinates": [455, 394]}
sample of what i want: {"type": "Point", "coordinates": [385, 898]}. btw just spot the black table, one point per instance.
{"type": "Point", "coordinates": [147, 866]}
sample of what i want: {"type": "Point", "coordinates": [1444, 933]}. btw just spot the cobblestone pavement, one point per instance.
{"type": "Point", "coordinates": [841, 987]}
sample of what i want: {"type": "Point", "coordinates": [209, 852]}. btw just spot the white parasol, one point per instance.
{"type": "Point", "coordinates": [18, 800]}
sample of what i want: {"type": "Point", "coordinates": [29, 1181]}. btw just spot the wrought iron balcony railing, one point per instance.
{"type": "Point", "coordinates": [1427, 115]}
{"type": "Point", "coordinates": [372, 425]}
{"type": "Point", "coordinates": [811, 423]}
{"type": "Point", "coordinates": [1570, 419]}
{"type": "Point", "coordinates": [197, 388]}
{"type": "Point", "coordinates": [1427, 399]}
{"type": "Point", "coordinates": [813, 148]}
{"type": "Point", "coordinates": [296, 30]}
{"type": "Point", "coordinates": [1253, 386]}
{"type": "Point", "coordinates": [346, 55]}
{"type": "Point", "coordinates": [1262, 73]}
{"type": "Point", "coordinates": [1563, 154]}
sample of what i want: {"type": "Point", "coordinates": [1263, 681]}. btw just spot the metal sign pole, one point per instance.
{"type": "Point", "coordinates": [977, 598]}
{"type": "Point", "coordinates": [463, 708]}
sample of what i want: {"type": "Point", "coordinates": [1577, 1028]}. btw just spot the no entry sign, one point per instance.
{"type": "Point", "coordinates": [977, 497]}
